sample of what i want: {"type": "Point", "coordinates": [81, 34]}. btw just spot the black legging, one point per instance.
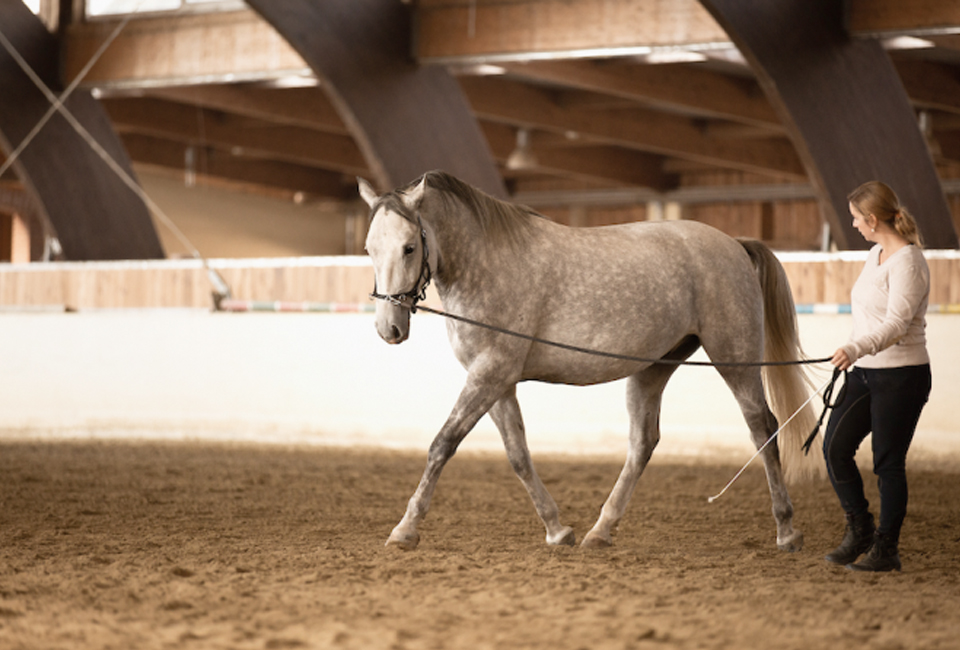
{"type": "Point", "coordinates": [886, 401]}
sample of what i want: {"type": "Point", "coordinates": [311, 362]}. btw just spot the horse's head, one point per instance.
{"type": "Point", "coordinates": [397, 243]}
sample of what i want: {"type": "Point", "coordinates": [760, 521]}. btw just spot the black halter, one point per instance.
{"type": "Point", "coordinates": [409, 299]}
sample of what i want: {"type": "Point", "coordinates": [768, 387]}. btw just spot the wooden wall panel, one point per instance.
{"type": "Point", "coordinates": [735, 219]}
{"type": "Point", "coordinates": [797, 225]}
{"type": "Point", "coordinates": [179, 284]}
{"type": "Point", "coordinates": [806, 281]}
{"type": "Point", "coordinates": [944, 281]}
{"type": "Point", "coordinates": [815, 278]}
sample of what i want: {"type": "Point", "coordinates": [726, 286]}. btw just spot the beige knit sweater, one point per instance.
{"type": "Point", "coordinates": [889, 302]}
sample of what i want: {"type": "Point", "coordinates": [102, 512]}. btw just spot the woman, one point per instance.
{"type": "Point", "coordinates": [889, 382]}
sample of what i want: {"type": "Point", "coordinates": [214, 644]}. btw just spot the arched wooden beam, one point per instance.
{"type": "Point", "coordinates": [844, 107]}
{"type": "Point", "coordinates": [95, 215]}
{"type": "Point", "coordinates": [405, 118]}
{"type": "Point", "coordinates": [17, 201]}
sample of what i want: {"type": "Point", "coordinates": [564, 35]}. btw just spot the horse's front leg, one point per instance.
{"type": "Point", "coordinates": [506, 415]}
{"type": "Point", "coordinates": [475, 400]}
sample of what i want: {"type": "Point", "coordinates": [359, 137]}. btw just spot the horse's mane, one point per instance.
{"type": "Point", "coordinates": [498, 220]}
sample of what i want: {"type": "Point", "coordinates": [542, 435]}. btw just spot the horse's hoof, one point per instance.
{"type": "Point", "coordinates": [595, 540]}
{"type": "Point", "coordinates": [791, 544]}
{"type": "Point", "coordinates": [565, 537]}
{"type": "Point", "coordinates": [403, 542]}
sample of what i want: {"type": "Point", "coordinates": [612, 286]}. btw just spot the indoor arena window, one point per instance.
{"type": "Point", "coordinates": [99, 8]}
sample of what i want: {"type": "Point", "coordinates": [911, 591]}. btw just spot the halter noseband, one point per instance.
{"type": "Point", "coordinates": [409, 299]}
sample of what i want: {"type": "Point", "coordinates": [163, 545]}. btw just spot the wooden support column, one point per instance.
{"type": "Point", "coordinates": [406, 119]}
{"type": "Point", "coordinates": [844, 108]}
{"type": "Point", "coordinates": [95, 215]}
{"type": "Point", "coordinates": [14, 238]}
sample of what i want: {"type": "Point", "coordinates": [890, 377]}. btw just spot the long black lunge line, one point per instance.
{"type": "Point", "coordinates": [573, 348]}
{"type": "Point", "coordinates": [827, 394]}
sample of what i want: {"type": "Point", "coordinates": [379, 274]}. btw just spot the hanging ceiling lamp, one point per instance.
{"type": "Point", "coordinates": [522, 157]}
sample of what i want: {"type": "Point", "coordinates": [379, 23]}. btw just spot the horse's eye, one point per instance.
{"type": "Point", "coordinates": [408, 249]}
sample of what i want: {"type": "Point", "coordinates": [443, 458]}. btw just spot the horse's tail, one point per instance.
{"type": "Point", "coordinates": [787, 386]}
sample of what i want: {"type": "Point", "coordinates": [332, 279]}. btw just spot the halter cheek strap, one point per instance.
{"type": "Point", "coordinates": [409, 299]}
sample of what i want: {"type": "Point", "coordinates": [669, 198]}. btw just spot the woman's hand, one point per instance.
{"type": "Point", "coordinates": [841, 359]}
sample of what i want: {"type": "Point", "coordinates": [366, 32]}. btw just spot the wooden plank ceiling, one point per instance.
{"type": "Point", "coordinates": [615, 97]}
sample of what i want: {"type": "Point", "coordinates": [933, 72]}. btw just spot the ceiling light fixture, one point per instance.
{"type": "Point", "coordinates": [522, 157]}
{"type": "Point", "coordinates": [906, 43]}
{"type": "Point", "coordinates": [674, 55]}
{"type": "Point", "coordinates": [925, 123]}
{"type": "Point", "coordinates": [477, 70]}
{"type": "Point", "coordinates": [293, 81]}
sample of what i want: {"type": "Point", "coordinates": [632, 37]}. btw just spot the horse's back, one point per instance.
{"type": "Point", "coordinates": [679, 257]}
{"type": "Point", "coordinates": [633, 289]}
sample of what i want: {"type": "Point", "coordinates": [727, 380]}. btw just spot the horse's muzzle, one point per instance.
{"type": "Point", "coordinates": [393, 324]}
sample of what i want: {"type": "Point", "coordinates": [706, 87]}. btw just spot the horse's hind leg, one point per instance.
{"type": "Point", "coordinates": [644, 392]}
{"type": "Point", "coordinates": [747, 387]}
{"type": "Point", "coordinates": [506, 415]}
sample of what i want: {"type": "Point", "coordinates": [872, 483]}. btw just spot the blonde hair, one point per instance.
{"type": "Point", "coordinates": [878, 199]}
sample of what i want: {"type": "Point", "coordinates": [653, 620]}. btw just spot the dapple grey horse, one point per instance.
{"type": "Point", "coordinates": [652, 290]}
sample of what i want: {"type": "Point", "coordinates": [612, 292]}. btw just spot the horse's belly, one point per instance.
{"type": "Point", "coordinates": [578, 373]}
{"type": "Point", "coordinates": [611, 357]}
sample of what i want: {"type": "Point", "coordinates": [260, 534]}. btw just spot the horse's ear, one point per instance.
{"type": "Point", "coordinates": [367, 193]}
{"type": "Point", "coordinates": [412, 197]}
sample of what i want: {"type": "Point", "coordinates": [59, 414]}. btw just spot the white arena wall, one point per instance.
{"type": "Point", "coordinates": [302, 378]}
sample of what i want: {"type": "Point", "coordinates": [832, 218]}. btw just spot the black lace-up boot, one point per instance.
{"type": "Point", "coordinates": [857, 539]}
{"type": "Point", "coordinates": [882, 556]}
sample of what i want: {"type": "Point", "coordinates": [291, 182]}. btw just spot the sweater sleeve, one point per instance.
{"type": "Point", "coordinates": [907, 287]}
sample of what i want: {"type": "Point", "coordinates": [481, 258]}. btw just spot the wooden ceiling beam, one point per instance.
{"type": "Point", "coordinates": [943, 121]}
{"type": "Point", "coordinates": [195, 125]}
{"type": "Point", "coordinates": [14, 199]}
{"type": "Point", "coordinates": [603, 164]}
{"type": "Point", "coordinates": [187, 49]}
{"type": "Point", "coordinates": [930, 85]}
{"type": "Point", "coordinates": [674, 88]}
{"type": "Point", "coordinates": [304, 107]}
{"type": "Point", "coordinates": [949, 145]}
{"type": "Point", "coordinates": [947, 42]}
{"type": "Point", "coordinates": [513, 103]}
{"type": "Point", "coordinates": [523, 30]}
{"type": "Point", "coordinates": [407, 119]}
{"type": "Point", "coordinates": [609, 166]}
{"type": "Point", "coordinates": [493, 30]}
{"type": "Point", "coordinates": [240, 45]}
{"type": "Point", "coordinates": [898, 17]}
{"type": "Point", "coordinates": [216, 163]}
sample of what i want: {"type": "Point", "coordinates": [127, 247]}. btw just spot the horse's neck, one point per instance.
{"type": "Point", "coordinates": [461, 255]}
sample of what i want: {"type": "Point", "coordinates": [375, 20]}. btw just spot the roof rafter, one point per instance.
{"type": "Point", "coordinates": [516, 104]}
{"type": "Point", "coordinates": [897, 17]}
{"type": "Point", "coordinates": [687, 89]}
{"type": "Point", "coordinates": [495, 30]}
{"type": "Point", "coordinates": [196, 125]}
{"type": "Point", "coordinates": [605, 165]}
{"type": "Point", "coordinates": [216, 163]}
{"type": "Point", "coordinates": [304, 107]}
